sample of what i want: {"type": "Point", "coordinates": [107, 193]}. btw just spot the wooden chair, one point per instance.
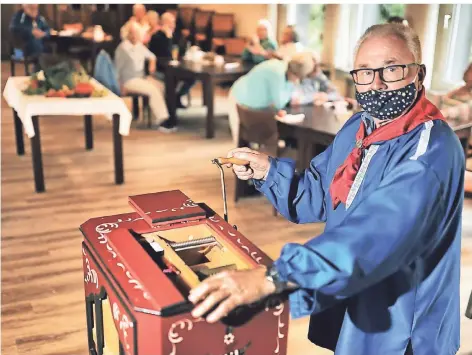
{"type": "Point", "coordinates": [257, 129]}
{"type": "Point", "coordinates": [222, 27]}
{"type": "Point", "coordinates": [135, 107]}
{"type": "Point", "coordinates": [234, 46]}
{"type": "Point", "coordinates": [17, 43]}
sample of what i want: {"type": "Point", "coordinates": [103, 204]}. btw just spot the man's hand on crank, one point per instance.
{"type": "Point", "coordinates": [229, 289]}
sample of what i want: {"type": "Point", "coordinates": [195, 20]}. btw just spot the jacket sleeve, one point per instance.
{"type": "Point", "coordinates": [43, 26]}
{"type": "Point", "coordinates": [385, 231]}
{"type": "Point", "coordinates": [300, 198]}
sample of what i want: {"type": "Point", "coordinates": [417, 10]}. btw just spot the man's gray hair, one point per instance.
{"type": "Point", "coordinates": [404, 33]}
{"type": "Point", "coordinates": [301, 64]}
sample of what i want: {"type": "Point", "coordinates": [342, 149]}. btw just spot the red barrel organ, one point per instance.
{"type": "Point", "coordinates": [140, 266]}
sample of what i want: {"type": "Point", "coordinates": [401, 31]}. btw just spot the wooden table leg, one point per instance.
{"type": "Point", "coordinates": [20, 145]}
{"type": "Point", "coordinates": [118, 150]}
{"type": "Point", "coordinates": [208, 92]}
{"type": "Point", "coordinates": [171, 96]}
{"type": "Point", "coordinates": [88, 131]}
{"type": "Point", "coordinates": [37, 157]}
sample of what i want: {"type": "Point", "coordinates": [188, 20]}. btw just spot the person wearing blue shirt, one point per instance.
{"type": "Point", "coordinates": [316, 89]}
{"type": "Point", "coordinates": [383, 277]}
{"type": "Point", "coordinates": [30, 28]}
{"type": "Point", "coordinates": [269, 85]}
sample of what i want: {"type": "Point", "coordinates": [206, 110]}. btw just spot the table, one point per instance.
{"type": "Point", "coordinates": [209, 75]}
{"type": "Point", "coordinates": [28, 109]}
{"type": "Point", "coordinates": [64, 42]}
{"type": "Point", "coordinates": [321, 125]}
{"type": "Point", "coordinates": [314, 133]}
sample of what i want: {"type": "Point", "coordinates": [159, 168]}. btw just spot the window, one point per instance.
{"type": "Point", "coordinates": [353, 21]}
{"type": "Point", "coordinates": [309, 22]}
{"type": "Point", "coordinates": [453, 50]}
{"type": "Point", "coordinates": [316, 27]}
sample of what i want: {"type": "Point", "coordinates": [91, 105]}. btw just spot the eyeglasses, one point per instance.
{"type": "Point", "coordinates": [389, 74]}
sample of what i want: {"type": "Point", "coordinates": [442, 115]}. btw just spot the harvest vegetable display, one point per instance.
{"type": "Point", "coordinates": [66, 79]}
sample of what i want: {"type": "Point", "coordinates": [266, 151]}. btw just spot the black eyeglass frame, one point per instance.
{"type": "Point", "coordinates": [380, 71]}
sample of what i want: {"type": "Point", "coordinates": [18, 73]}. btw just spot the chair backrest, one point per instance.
{"type": "Point", "coordinates": [222, 25]}
{"type": "Point", "coordinates": [186, 15]}
{"type": "Point", "coordinates": [16, 41]}
{"type": "Point", "coordinates": [258, 126]}
{"type": "Point", "coordinates": [202, 20]}
{"type": "Point", "coordinates": [234, 46]}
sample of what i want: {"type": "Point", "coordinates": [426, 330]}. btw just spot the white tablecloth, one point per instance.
{"type": "Point", "coordinates": [28, 106]}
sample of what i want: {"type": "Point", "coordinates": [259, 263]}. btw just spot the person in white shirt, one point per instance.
{"type": "Point", "coordinates": [140, 21]}
{"type": "Point", "coordinates": [130, 58]}
{"type": "Point", "coordinates": [289, 45]}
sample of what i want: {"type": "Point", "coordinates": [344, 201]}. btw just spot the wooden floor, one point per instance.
{"type": "Point", "coordinates": [42, 280]}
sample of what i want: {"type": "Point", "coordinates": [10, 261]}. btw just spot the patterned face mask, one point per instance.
{"type": "Point", "coordinates": [386, 105]}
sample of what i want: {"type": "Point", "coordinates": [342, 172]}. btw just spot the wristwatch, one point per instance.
{"type": "Point", "coordinates": [273, 276]}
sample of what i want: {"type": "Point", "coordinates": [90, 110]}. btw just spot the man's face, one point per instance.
{"type": "Point", "coordinates": [316, 69]}
{"type": "Point", "coordinates": [139, 12]}
{"type": "Point", "coordinates": [261, 32]}
{"type": "Point", "coordinates": [377, 52]}
{"type": "Point", "coordinates": [172, 23]}
{"type": "Point", "coordinates": [31, 10]}
{"type": "Point", "coordinates": [133, 35]}
{"type": "Point", "coordinates": [287, 35]}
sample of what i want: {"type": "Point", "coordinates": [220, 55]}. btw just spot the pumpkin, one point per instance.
{"type": "Point", "coordinates": [84, 89]}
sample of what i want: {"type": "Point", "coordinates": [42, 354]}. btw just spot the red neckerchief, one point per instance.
{"type": "Point", "coordinates": [422, 111]}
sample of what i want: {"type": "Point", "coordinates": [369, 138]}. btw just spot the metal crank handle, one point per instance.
{"type": "Point", "coordinates": [233, 160]}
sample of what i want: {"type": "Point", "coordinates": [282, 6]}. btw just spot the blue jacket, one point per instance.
{"type": "Point", "coordinates": [22, 26]}
{"type": "Point", "coordinates": [385, 271]}
{"type": "Point", "coordinates": [105, 73]}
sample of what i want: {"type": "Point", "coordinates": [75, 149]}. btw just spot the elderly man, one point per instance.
{"type": "Point", "coordinates": [161, 45]}
{"type": "Point", "coordinates": [315, 88]}
{"type": "Point", "coordinates": [261, 47]}
{"type": "Point", "coordinates": [383, 277]}
{"type": "Point", "coordinates": [138, 20]}
{"type": "Point", "coordinates": [269, 85]}
{"type": "Point", "coordinates": [31, 28]}
{"type": "Point", "coordinates": [130, 58]}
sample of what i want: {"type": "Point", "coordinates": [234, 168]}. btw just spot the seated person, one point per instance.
{"type": "Point", "coordinates": [153, 21]}
{"type": "Point", "coordinates": [315, 88]}
{"type": "Point", "coordinates": [30, 28]}
{"type": "Point", "coordinates": [289, 45]}
{"type": "Point", "coordinates": [269, 85]}
{"type": "Point", "coordinates": [139, 20]}
{"type": "Point", "coordinates": [464, 93]}
{"type": "Point", "coordinates": [161, 44]}
{"type": "Point", "coordinates": [261, 46]}
{"type": "Point", "coordinates": [130, 58]}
